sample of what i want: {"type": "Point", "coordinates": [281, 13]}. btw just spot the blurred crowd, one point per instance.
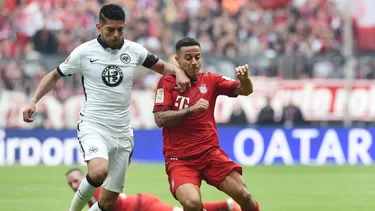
{"type": "Point", "coordinates": [289, 39]}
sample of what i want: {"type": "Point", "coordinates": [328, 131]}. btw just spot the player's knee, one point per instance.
{"type": "Point", "coordinates": [99, 174]}
{"type": "Point", "coordinates": [245, 198]}
{"type": "Point", "coordinates": [192, 204]}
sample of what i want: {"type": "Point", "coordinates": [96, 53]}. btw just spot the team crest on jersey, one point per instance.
{"type": "Point", "coordinates": [203, 89]}
{"type": "Point", "coordinates": [112, 75]}
{"type": "Point", "coordinates": [125, 58]}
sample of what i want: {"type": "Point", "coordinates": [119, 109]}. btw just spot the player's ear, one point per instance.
{"type": "Point", "coordinates": [98, 27]}
{"type": "Point", "coordinates": [176, 58]}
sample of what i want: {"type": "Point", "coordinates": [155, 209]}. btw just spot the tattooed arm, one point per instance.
{"type": "Point", "coordinates": [169, 118]}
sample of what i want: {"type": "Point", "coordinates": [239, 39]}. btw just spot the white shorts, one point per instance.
{"type": "Point", "coordinates": [117, 151]}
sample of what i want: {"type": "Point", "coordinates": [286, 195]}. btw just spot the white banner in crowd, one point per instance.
{"type": "Point", "coordinates": [318, 100]}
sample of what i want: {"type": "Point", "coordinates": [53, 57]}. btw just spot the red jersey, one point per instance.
{"type": "Point", "coordinates": [197, 133]}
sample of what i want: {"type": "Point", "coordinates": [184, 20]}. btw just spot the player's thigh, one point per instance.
{"type": "Point", "coordinates": [219, 167]}
{"type": "Point", "coordinates": [94, 149]}
{"type": "Point", "coordinates": [118, 162]}
{"type": "Point", "coordinates": [181, 173]}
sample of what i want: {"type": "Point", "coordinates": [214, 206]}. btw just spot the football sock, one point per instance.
{"type": "Point", "coordinates": [84, 193]}
{"type": "Point", "coordinates": [215, 206]}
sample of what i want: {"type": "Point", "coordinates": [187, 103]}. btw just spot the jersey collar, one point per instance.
{"type": "Point", "coordinates": [105, 45]}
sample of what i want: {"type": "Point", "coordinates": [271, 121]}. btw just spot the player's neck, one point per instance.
{"type": "Point", "coordinates": [105, 45]}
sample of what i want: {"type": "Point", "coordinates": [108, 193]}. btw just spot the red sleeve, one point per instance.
{"type": "Point", "coordinates": [163, 95]}
{"type": "Point", "coordinates": [224, 85]}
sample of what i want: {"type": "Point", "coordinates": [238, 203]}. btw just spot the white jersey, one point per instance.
{"type": "Point", "coordinates": [107, 78]}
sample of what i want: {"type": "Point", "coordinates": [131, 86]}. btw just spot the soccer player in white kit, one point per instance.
{"type": "Point", "coordinates": [105, 135]}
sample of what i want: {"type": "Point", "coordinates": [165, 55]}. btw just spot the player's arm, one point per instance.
{"type": "Point", "coordinates": [163, 113]}
{"type": "Point", "coordinates": [233, 88]}
{"type": "Point", "coordinates": [170, 117]}
{"type": "Point", "coordinates": [47, 83]}
{"type": "Point", "coordinates": [70, 66]}
{"type": "Point", "coordinates": [153, 62]}
{"type": "Point", "coordinates": [246, 86]}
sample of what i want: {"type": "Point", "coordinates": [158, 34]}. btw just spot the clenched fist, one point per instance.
{"type": "Point", "coordinates": [199, 107]}
{"type": "Point", "coordinates": [28, 112]}
{"type": "Point", "coordinates": [242, 72]}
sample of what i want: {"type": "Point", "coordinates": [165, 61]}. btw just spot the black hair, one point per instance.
{"type": "Point", "coordinates": [185, 42]}
{"type": "Point", "coordinates": [73, 170]}
{"type": "Point", "coordinates": [111, 12]}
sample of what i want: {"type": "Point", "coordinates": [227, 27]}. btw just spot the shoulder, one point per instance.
{"type": "Point", "coordinates": [83, 48]}
{"type": "Point", "coordinates": [133, 45]}
{"type": "Point", "coordinates": [167, 81]}
{"type": "Point", "coordinates": [210, 76]}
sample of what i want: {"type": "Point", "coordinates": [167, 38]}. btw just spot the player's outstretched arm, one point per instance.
{"type": "Point", "coordinates": [246, 86]}
{"type": "Point", "coordinates": [47, 83]}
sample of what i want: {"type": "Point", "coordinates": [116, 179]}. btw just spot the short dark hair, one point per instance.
{"type": "Point", "coordinates": [185, 42]}
{"type": "Point", "coordinates": [111, 12]}
{"type": "Point", "coordinates": [73, 170]}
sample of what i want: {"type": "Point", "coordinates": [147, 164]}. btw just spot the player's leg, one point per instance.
{"type": "Point", "coordinates": [185, 184]}
{"type": "Point", "coordinates": [234, 186]}
{"type": "Point", "coordinates": [95, 153]}
{"type": "Point", "coordinates": [118, 160]}
{"type": "Point", "coordinates": [225, 175]}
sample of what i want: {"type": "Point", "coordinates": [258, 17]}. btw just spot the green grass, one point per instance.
{"type": "Point", "coordinates": [277, 188]}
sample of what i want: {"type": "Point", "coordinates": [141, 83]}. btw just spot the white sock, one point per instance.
{"type": "Point", "coordinates": [82, 196]}
{"type": "Point", "coordinates": [95, 207]}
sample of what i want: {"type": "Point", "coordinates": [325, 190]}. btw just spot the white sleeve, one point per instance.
{"type": "Point", "coordinates": [142, 54]}
{"type": "Point", "coordinates": [71, 65]}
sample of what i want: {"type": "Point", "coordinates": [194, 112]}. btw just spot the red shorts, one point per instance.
{"type": "Point", "coordinates": [212, 166]}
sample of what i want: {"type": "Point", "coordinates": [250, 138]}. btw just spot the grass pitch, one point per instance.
{"type": "Point", "coordinates": [277, 188]}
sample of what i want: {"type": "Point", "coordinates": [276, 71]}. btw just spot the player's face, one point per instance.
{"type": "Point", "coordinates": [189, 59]}
{"type": "Point", "coordinates": [112, 32]}
{"type": "Point", "coordinates": [74, 180]}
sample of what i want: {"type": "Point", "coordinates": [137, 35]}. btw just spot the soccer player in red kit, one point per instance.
{"type": "Point", "coordinates": [191, 144]}
{"type": "Point", "coordinates": [142, 201]}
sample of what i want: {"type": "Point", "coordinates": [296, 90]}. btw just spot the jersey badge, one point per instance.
{"type": "Point", "coordinates": [112, 76]}
{"type": "Point", "coordinates": [203, 88]}
{"type": "Point", "coordinates": [125, 58]}
{"type": "Point", "coordinates": [159, 95]}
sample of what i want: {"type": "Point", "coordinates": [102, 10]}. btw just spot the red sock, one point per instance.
{"type": "Point", "coordinates": [215, 206]}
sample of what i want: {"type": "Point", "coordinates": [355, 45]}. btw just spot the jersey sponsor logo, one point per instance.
{"type": "Point", "coordinates": [182, 102]}
{"type": "Point", "coordinates": [93, 149]}
{"type": "Point", "coordinates": [203, 89]}
{"type": "Point", "coordinates": [125, 58]}
{"type": "Point", "coordinates": [159, 95]}
{"type": "Point", "coordinates": [112, 76]}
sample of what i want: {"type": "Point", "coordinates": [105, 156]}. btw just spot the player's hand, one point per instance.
{"type": "Point", "coordinates": [28, 112]}
{"type": "Point", "coordinates": [182, 81]}
{"type": "Point", "coordinates": [242, 72]}
{"type": "Point", "coordinates": [201, 106]}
